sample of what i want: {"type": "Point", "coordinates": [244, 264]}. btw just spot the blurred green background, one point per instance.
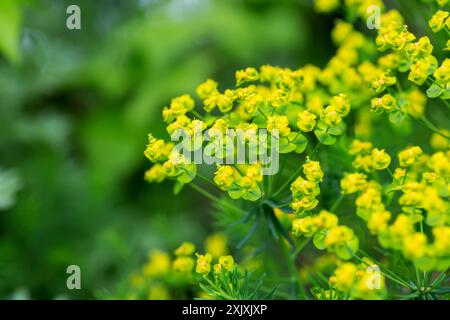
{"type": "Point", "coordinates": [75, 108]}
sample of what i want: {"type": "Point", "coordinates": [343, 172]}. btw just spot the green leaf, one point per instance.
{"type": "Point", "coordinates": [337, 130]}
{"type": "Point", "coordinates": [235, 192]}
{"type": "Point", "coordinates": [252, 195]}
{"type": "Point", "coordinates": [189, 172]}
{"type": "Point", "coordinates": [435, 91]}
{"type": "Point", "coordinates": [363, 213]}
{"type": "Point", "coordinates": [177, 187]}
{"type": "Point", "coordinates": [286, 146]}
{"type": "Point", "coordinates": [319, 239]}
{"type": "Point", "coordinates": [10, 25]}
{"type": "Point", "coordinates": [425, 263]}
{"type": "Point", "coordinates": [396, 116]}
{"type": "Point", "coordinates": [324, 137]}
{"type": "Point", "coordinates": [404, 66]}
{"type": "Point", "coordinates": [299, 141]}
{"type": "Point", "coordinates": [446, 94]}
{"type": "Point", "coordinates": [348, 250]}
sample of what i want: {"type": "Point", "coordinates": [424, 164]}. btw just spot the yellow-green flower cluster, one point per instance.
{"type": "Point", "coordinates": [439, 21]}
{"type": "Point", "coordinates": [163, 277]}
{"type": "Point", "coordinates": [240, 181]}
{"type": "Point", "coordinates": [168, 162]}
{"type": "Point", "coordinates": [367, 158]}
{"type": "Point", "coordinates": [304, 191]}
{"type": "Point", "coordinates": [204, 264]}
{"type": "Point", "coordinates": [423, 183]}
{"type": "Point", "coordinates": [362, 281]}
{"type": "Point", "coordinates": [327, 234]}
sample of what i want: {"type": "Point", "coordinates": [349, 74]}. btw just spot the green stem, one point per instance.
{"type": "Point", "coordinates": [432, 127]}
{"type": "Point", "coordinates": [300, 248]}
{"type": "Point", "coordinates": [387, 275]}
{"type": "Point", "coordinates": [263, 114]}
{"type": "Point", "coordinates": [280, 174]}
{"type": "Point", "coordinates": [213, 197]}
{"type": "Point", "coordinates": [386, 271]}
{"type": "Point", "coordinates": [198, 115]}
{"type": "Point", "coordinates": [337, 203]}
{"type": "Point", "coordinates": [292, 268]}
{"type": "Point", "coordinates": [287, 182]}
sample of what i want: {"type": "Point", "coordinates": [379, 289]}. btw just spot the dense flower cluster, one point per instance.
{"type": "Point", "coordinates": [164, 276]}
{"type": "Point", "coordinates": [361, 281]}
{"type": "Point", "coordinates": [401, 197]}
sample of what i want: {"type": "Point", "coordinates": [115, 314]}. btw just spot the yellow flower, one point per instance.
{"type": "Point", "coordinates": [414, 246]}
{"type": "Point", "coordinates": [158, 264]}
{"type": "Point", "coordinates": [278, 98]}
{"type": "Point", "coordinates": [341, 31]}
{"type": "Point", "coordinates": [227, 262]}
{"type": "Point", "coordinates": [306, 121]}
{"type": "Point", "coordinates": [155, 149]}
{"type": "Point", "coordinates": [203, 265]}
{"type": "Point", "coordinates": [390, 61]}
{"type": "Point", "coordinates": [246, 75]}
{"type": "Point", "coordinates": [338, 236]}
{"type": "Point", "coordinates": [306, 203]}
{"type": "Point", "coordinates": [437, 21]}
{"type": "Point", "coordinates": [402, 227]}
{"type": "Point", "coordinates": [409, 156]}
{"type": "Point", "coordinates": [344, 276]}
{"type": "Point", "coordinates": [438, 142]}
{"type": "Point", "coordinates": [382, 81]}
{"type": "Point", "coordinates": [442, 74]}
{"type": "Point", "coordinates": [226, 100]}
{"type": "Point", "coordinates": [399, 174]}
{"type": "Point", "coordinates": [182, 122]}
{"type": "Point", "coordinates": [185, 249]}
{"type": "Point", "coordinates": [254, 171]}
{"type": "Point", "coordinates": [178, 107]}
{"type": "Point", "coordinates": [440, 163]}
{"type": "Point", "coordinates": [155, 173]}
{"type": "Point", "coordinates": [183, 264]}
{"type": "Point", "coordinates": [216, 244]}
{"type": "Point", "coordinates": [378, 221]}
{"type": "Point", "coordinates": [441, 244]}
{"type": "Point", "coordinates": [360, 147]}
{"type": "Point", "coordinates": [363, 163]}
{"type": "Point", "coordinates": [416, 102]}
{"type": "Point", "coordinates": [305, 226]}
{"type": "Point", "coordinates": [326, 220]}
{"type": "Point", "coordinates": [331, 116]}
{"type": "Point", "coordinates": [369, 201]}
{"type": "Point", "coordinates": [326, 6]}
{"type": "Point", "coordinates": [421, 69]}
{"type": "Point", "coordinates": [386, 102]}
{"type": "Point", "coordinates": [412, 194]}
{"type": "Point", "coordinates": [280, 123]}
{"type": "Point", "coordinates": [341, 103]}
{"type": "Point", "coordinates": [353, 182]}
{"type": "Point", "coordinates": [380, 159]}
{"type": "Point", "coordinates": [250, 104]}
{"type": "Point", "coordinates": [302, 187]}
{"type": "Point", "coordinates": [430, 177]}
{"type": "Point", "coordinates": [224, 177]}
{"type": "Point", "coordinates": [207, 89]}
{"type": "Point", "coordinates": [313, 171]}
